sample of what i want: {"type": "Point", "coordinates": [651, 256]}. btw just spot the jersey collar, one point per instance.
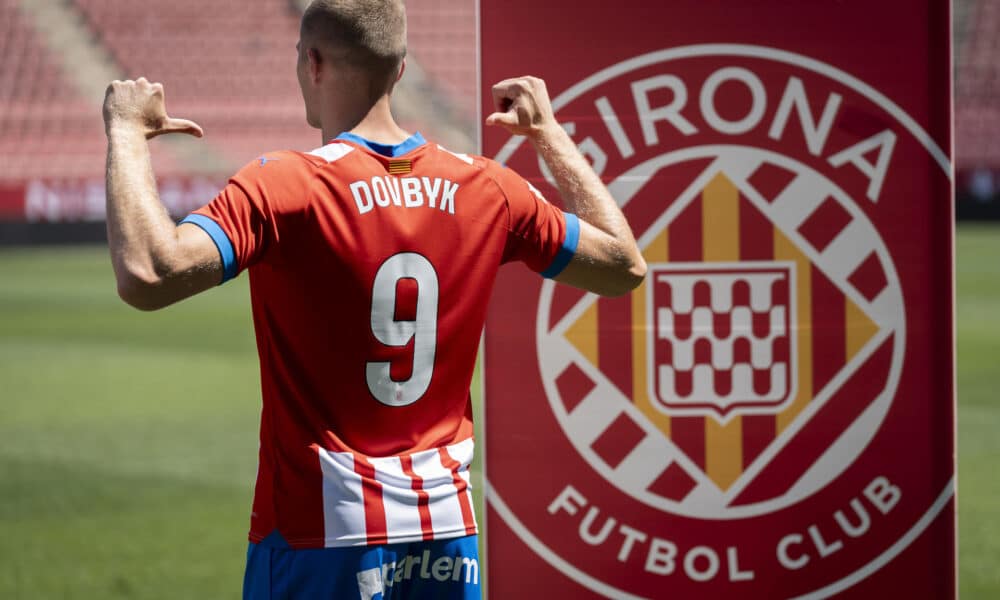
{"type": "Point", "coordinates": [411, 143]}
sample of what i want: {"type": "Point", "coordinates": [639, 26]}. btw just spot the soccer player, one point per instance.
{"type": "Point", "coordinates": [371, 260]}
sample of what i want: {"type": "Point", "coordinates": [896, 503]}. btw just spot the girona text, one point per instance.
{"type": "Point", "coordinates": [795, 108]}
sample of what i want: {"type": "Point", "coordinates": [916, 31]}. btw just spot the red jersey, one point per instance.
{"type": "Point", "coordinates": [370, 271]}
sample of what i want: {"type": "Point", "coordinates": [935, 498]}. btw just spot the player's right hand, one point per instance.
{"type": "Point", "coordinates": [522, 106]}
{"type": "Point", "coordinates": [140, 105]}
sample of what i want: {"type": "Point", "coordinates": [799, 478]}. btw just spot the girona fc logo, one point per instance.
{"type": "Point", "coordinates": [715, 426]}
{"type": "Point", "coordinates": [732, 345]}
{"type": "Point", "coordinates": [719, 338]}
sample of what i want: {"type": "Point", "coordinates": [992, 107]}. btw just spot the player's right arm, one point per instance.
{"type": "Point", "coordinates": [607, 259]}
{"type": "Point", "coordinates": [155, 262]}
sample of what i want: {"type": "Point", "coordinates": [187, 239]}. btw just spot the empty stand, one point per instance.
{"type": "Point", "coordinates": [227, 65]}
{"type": "Point", "coordinates": [977, 117]}
{"type": "Point", "coordinates": [442, 36]}
{"type": "Point", "coordinates": [46, 128]}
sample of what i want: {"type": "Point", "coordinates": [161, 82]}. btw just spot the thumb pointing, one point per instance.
{"type": "Point", "coordinates": [508, 119]}
{"type": "Point", "coordinates": [173, 125]}
{"type": "Point", "coordinates": [186, 126]}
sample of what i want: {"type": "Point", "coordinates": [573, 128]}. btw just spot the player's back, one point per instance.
{"type": "Point", "coordinates": [375, 298]}
{"type": "Point", "coordinates": [370, 271]}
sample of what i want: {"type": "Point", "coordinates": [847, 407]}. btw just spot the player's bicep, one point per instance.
{"type": "Point", "coordinates": [195, 266]}
{"type": "Point", "coordinates": [185, 265]}
{"type": "Point", "coordinates": [233, 226]}
{"type": "Point", "coordinates": [564, 247]}
{"type": "Point", "coordinates": [204, 258]}
{"type": "Point", "coordinates": [599, 264]}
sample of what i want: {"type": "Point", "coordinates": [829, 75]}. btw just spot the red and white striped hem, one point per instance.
{"type": "Point", "coordinates": [407, 498]}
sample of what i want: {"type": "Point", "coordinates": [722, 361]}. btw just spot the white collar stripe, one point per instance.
{"type": "Point", "coordinates": [462, 157]}
{"type": "Point", "coordinates": [332, 152]}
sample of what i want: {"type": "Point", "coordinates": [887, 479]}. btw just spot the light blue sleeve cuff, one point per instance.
{"type": "Point", "coordinates": [568, 248]}
{"type": "Point", "coordinates": [226, 252]}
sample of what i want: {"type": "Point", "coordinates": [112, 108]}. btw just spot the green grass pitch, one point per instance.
{"type": "Point", "coordinates": [128, 440]}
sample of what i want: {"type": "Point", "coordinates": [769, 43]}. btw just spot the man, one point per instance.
{"type": "Point", "coordinates": [371, 260]}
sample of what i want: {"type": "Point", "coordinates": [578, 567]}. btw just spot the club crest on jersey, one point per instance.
{"type": "Point", "coordinates": [762, 353]}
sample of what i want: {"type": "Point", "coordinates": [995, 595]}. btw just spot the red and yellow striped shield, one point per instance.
{"type": "Point", "coordinates": [736, 329]}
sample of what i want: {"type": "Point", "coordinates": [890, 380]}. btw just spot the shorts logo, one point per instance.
{"type": "Point", "coordinates": [762, 353]}
{"type": "Point", "coordinates": [719, 339]}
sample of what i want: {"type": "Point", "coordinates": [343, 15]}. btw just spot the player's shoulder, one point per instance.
{"type": "Point", "coordinates": [455, 158]}
{"type": "Point", "coordinates": [286, 168]}
{"type": "Point", "coordinates": [333, 152]}
{"type": "Point", "coordinates": [482, 166]}
{"type": "Point", "coordinates": [279, 163]}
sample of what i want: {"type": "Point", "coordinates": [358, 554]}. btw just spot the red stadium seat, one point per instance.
{"type": "Point", "coordinates": [214, 72]}
{"type": "Point", "coordinates": [977, 118]}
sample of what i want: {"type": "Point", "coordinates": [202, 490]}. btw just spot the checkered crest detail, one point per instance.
{"type": "Point", "coordinates": [721, 342]}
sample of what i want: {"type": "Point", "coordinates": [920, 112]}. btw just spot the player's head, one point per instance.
{"type": "Point", "coordinates": [352, 45]}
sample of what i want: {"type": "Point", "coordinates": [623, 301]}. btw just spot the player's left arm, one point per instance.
{"type": "Point", "coordinates": [156, 262]}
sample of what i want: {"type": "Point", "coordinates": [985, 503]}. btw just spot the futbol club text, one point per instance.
{"type": "Point", "coordinates": [792, 549]}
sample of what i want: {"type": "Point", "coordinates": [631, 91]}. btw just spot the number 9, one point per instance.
{"type": "Point", "coordinates": [388, 331]}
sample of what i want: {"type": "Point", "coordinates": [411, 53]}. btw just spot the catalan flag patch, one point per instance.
{"type": "Point", "coordinates": [400, 166]}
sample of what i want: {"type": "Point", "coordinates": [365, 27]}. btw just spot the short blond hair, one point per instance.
{"type": "Point", "coordinates": [369, 34]}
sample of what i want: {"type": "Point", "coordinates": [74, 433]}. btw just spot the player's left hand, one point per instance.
{"type": "Point", "coordinates": [140, 104]}
{"type": "Point", "coordinates": [522, 107]}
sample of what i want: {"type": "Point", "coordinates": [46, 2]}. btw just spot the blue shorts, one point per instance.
{"type": "Point", "coordinates": [445, 569]}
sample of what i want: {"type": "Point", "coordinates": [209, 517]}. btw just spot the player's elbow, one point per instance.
{"type": "Point", "coordinates": [614, 270]}
{"type": "Point", "coordinates": [140, 288]}
{"type": "Point", "coordinates": [636, 273]}
{"type": "Point", "coordinates": [139, 295]}
{"type": "Point", "coordinates": [629, 275]}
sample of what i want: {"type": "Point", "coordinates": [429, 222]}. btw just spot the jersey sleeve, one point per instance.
{"type": "Point", "coordinates": [539, 234]}
{"type": "Point", "coordinates": [243, 220]}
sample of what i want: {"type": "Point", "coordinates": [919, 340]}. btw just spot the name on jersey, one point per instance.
{"type": "Point", "coordinates": [408, 192]}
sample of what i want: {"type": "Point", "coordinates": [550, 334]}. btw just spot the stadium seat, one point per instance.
{"type": "Point", "coordinates": [977, 115]}
{"type": "Point", "coordinates": [46, 128]}
{"type": "Point", "coordinates": [213, 71]}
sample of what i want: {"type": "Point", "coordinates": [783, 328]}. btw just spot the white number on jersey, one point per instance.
{"type": "Point", "coordinates": [389, 331]}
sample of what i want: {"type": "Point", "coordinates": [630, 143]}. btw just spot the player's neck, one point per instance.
{"type": "Point", "coordinates": [376, 124]}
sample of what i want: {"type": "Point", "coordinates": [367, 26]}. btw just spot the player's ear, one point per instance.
{"type": "Point", "coordinates": [402, 68]}
{"type": "Point", "coordinates": [315, 64]}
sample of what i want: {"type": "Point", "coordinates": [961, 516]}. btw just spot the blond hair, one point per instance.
{"type": "Point", "coordinates": [368, 34]}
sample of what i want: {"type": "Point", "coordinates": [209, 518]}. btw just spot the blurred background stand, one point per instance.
{"type": "Point", "coordinates": [228, 65]}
